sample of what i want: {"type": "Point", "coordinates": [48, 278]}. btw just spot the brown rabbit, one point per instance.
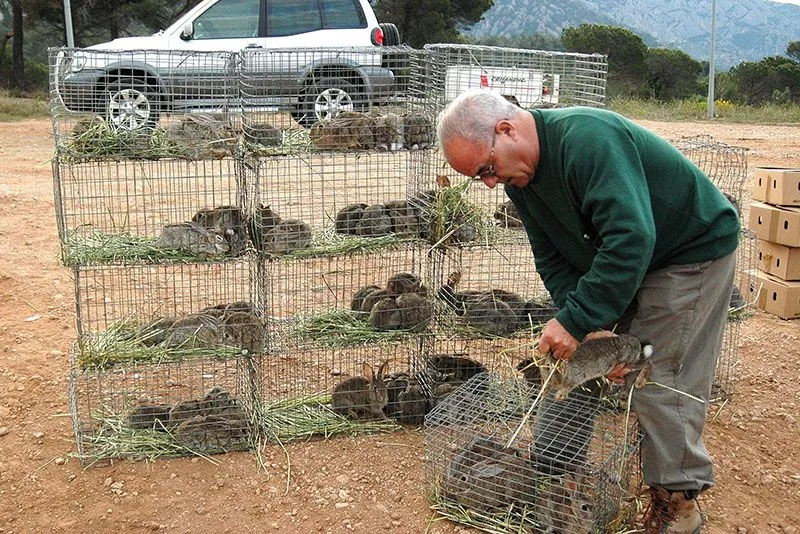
{"type": "Point", "coordinates": [595, 358]}
{"type": "Point", "coordinates": [362, 397]}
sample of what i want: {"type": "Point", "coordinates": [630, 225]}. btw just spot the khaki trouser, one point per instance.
{"type": "Point", "coordinates": [682, 312]}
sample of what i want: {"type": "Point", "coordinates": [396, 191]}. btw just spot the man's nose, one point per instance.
{"type": "Point", "coordinates": [491, 181]}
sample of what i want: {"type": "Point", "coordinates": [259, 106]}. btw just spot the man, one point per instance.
{"type": "Point", "coordinates": [624, 228]}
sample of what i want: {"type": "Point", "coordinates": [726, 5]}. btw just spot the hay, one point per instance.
{"type": "Point", "coordinates": [345, 328]}
{"type": "Point", "coordinates": [99, 247]}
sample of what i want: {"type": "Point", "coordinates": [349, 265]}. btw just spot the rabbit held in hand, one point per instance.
{"type": "Point", "coordinates": [595, 358]}
{"type": "Point", "coordinates": [362, 396]}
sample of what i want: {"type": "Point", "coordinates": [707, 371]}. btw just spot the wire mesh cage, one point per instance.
{"type": "Point", "coordinates": [726, 166]}
{"type": "Point", "coordinates": [141, 210]}
{"type": "Point", "coordinates": [168, 409]}
{"type": "Point", "coordinates": [133, 104]}
{"type": "Point", "coordinates": [500, 458]}
{"type": "Point", "coordinates": [334, 99]}
{"type": "Point", "coordinates": [154, 313]}
{"type": "Point", "coordinates": [529, 78]}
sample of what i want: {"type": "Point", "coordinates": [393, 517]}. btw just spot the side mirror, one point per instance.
{"type": "Point", "coordinates": [188, 31]}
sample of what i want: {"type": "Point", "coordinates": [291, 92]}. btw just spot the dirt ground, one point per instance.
{"type": "Point", "coordinates": [366, 484]}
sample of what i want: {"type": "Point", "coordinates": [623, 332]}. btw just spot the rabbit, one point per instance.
{"type": "Point", "coordinates": [362, 396]}
{"type": "Point", "coordinates": [400, 283]}
{"type": "Point", "coordinates": [263, 133]}
{"type": "Point", "coordinates": [155, 332]}
{"type": "Point", "coordinates": [375, 221]}
{"type": "Point", "coordinates": [210, 432]}
{"type": "Point", "coordinates": [404, 224]}
{"type": "Point", "coordinates": [348, 217]}
{"type": "Point", "coordinates": [360, 295]}
{"type": "Point", "coordinates": [415, 312]}
{"type": "Point", "coordinates": [217, 401]}
{"type": "Point", "coordinates": [183, 411]}
{"type": "Point", "coordinates": [540, 310]}
{"type": "Point", "coordinates": [149, 417]}
{"type": "Point", "coordinates": [227, 221]}
{"type": "Point", "coordinates": [563, 507]}
{"type": "Point", "coordinates": [385, 315]}
{"type": "Point", "coordinates": [463, 230]}
{"type": "Point", "coordinates": [458, 368]}
{"type": "Point", "coordinates": [417, 131]}
{"type": "Point", "coordinates": [348, 130]}
{"type": "Point", "coordinates": [389, 131]}
{"type": "Point", "coordinates": [491, 316]}
{"type": "Point", "coordinates": [413, 404]}
{"type": "Point", "coordinates": [507, 215]}
{"type": "Point", "coordinates": [192, 238]}
{"type": "Point", "coordinates": [395, 384]}
{"type": "Point", "coordinates": [595, 358]}
{"type": "Point", "coordinates": [372, 298]}
{"type": "Point", "coordinates": [198, 330]}
{"type": "Point", "coordinates": [243, 329]}
{"type": "Point", "coordinates": [485, 477]}
{"type": "Point", "coordinates": [288, 236]}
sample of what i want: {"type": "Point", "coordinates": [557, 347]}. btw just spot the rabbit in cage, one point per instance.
{"type": "Point", "coordinates": [415, 312]}
{"type": "Point", "coordinates": [389, 131]}
{"type": "Point", "coordinates": [227, 221]}
{"type": "Point", "coordinates": [149, 416]}
{"type": "Point", "coordinates": [385, 315]}
{"type": "Point", "coordinates": [362, 396]}
{"type": "Point", "coordinates": [348, 130]}
{"type": "Point", "coordinates": [375, 221]}
{"type": "Point", "coordinates": [192, 238]}
{"type": "Point", "coordinates": [596, 357]}
{"type": "Point", "coordinates": [287, 236]}
{"type": "Point", "coordinates": [209, 432]}
{"type": "Point", "coordinates": [347, 218]}
{"type": "Point", "coordinates": [197, 330]}
{"type": "Point", "coordinates": [458, 368]}
{"type": "Point", "coordinates": [242, 329]}
{"type": "Point", "coordinates": [362, 293]}
{"type": "Point", "coordinates": [487, 477]}
{"type": "Point", "coordinates": [507, 216]}
{"type": "Point", "coordinates": [562, 506]}
{"type": "Point", "coordinates": [372, 298]}
{"type": "Point", "coordinates": [400, 283]}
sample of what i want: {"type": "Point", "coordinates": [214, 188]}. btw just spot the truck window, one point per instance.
{"type": "Point", "coordinates": [228, 19]}
{"type": "Point", "coordinates": [342, 14]}
{"type": "Point", "coordinates": [291, 17]}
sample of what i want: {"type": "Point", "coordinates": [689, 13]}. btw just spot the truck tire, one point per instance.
{"type": "Point", "coordinates": [131, 104]}
{"type": "Point", "coordinates": [324, 99]}
{"type": "Point", "coordinates": [391, 35]}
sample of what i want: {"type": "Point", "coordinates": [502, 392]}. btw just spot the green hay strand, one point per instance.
{"type": "Point", "coordinates": [345, 328]}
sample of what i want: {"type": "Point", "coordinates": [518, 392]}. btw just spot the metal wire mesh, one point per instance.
{"type": "Point", "coordinates": [726, 165]}
{"type": "Point", "coordinates": [168, 409]}
{"type": "Point", "coordinates": [565, 467]}
{"type": "Point", "coordinates": [530, 78]}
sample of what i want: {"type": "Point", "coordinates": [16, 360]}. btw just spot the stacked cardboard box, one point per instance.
{"type": "Point", "coordinates": [775, 219]}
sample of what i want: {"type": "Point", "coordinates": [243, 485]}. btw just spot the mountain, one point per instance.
{"type": "Point", "coordinates": [747, 30]}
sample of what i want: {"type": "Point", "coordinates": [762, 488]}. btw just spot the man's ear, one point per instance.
{"type": "Point", "coordinates": [505, 127]}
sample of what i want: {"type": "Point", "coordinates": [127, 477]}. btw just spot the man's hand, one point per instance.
{"type": "Point", "coordinates": [557, 341]}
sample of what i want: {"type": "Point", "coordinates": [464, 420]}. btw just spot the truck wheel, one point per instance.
{"type": "Point", "coordinates": [391, 35]}
{"type": "Point", "coordinates": [131, 105]}
{"type": "Point", "coordinates": [324, 99]}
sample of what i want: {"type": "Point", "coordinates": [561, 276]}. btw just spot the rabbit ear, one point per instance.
{"type": "Point", "coordinates": [367, 370]}
{"type": "Point", "coordinates": [384, 368]}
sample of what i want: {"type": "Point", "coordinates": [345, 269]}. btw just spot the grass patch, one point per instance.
{"type": "Point", "coordinates": [696, 110]}
{"type": "Point", "coordinates": [125, 342]}
{"type": "Point", "coordinates": [345, 328]}
{"type": "Point", "coordinates": [16, 109]}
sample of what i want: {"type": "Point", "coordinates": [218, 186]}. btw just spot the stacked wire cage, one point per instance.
{"type": "Point", "coordinates": [341, 233]}
{"type": "Point", "coordinates": [726, 166]}
{"type": "Point", "coordinates": [502, 455]}
{"type": "Point", "coordinates": [150, 214]}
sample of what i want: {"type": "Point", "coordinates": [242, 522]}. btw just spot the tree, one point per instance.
{"type": "Point", "coordinates": [539, 41]}
{"type": "Point", "coordinates": [793, 50]}
{"type": "Point", "coordinates": [431, 21]}
{"type": "Point", "coordinates": [672, 74]}
{"type": "Point", "coordinates": [625, 50]}
{"type": "Point", "coordinates": [773, 79]}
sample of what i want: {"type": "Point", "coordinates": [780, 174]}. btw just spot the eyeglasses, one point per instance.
{"type": "Point", "coordinates": [489, 171]}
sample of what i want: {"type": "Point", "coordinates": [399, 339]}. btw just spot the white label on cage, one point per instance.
{"type": "Point", "coordinates": [525, 87]}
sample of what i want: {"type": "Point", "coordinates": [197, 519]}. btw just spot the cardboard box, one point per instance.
{"type": "Point", "coordinates": [777, 185]}
{"type": "Point", "coordinates": [764, 220]}
{"type": "Point", "coordinates": [788, 227]}
{"type": "Point", "coordinates": [774, 295]}
{"type": "Point", "coordinates": [779, 260]}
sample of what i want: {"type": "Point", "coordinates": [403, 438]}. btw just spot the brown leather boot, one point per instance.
{"type": "Point", "coordinates": [671, 513]}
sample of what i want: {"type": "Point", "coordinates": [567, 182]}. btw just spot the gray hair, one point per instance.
{"type": "Point", "coordinates": [473, 114]}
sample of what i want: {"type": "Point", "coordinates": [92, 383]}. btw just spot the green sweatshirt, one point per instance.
{"type": "Point", "coordinates": [610, 202]}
